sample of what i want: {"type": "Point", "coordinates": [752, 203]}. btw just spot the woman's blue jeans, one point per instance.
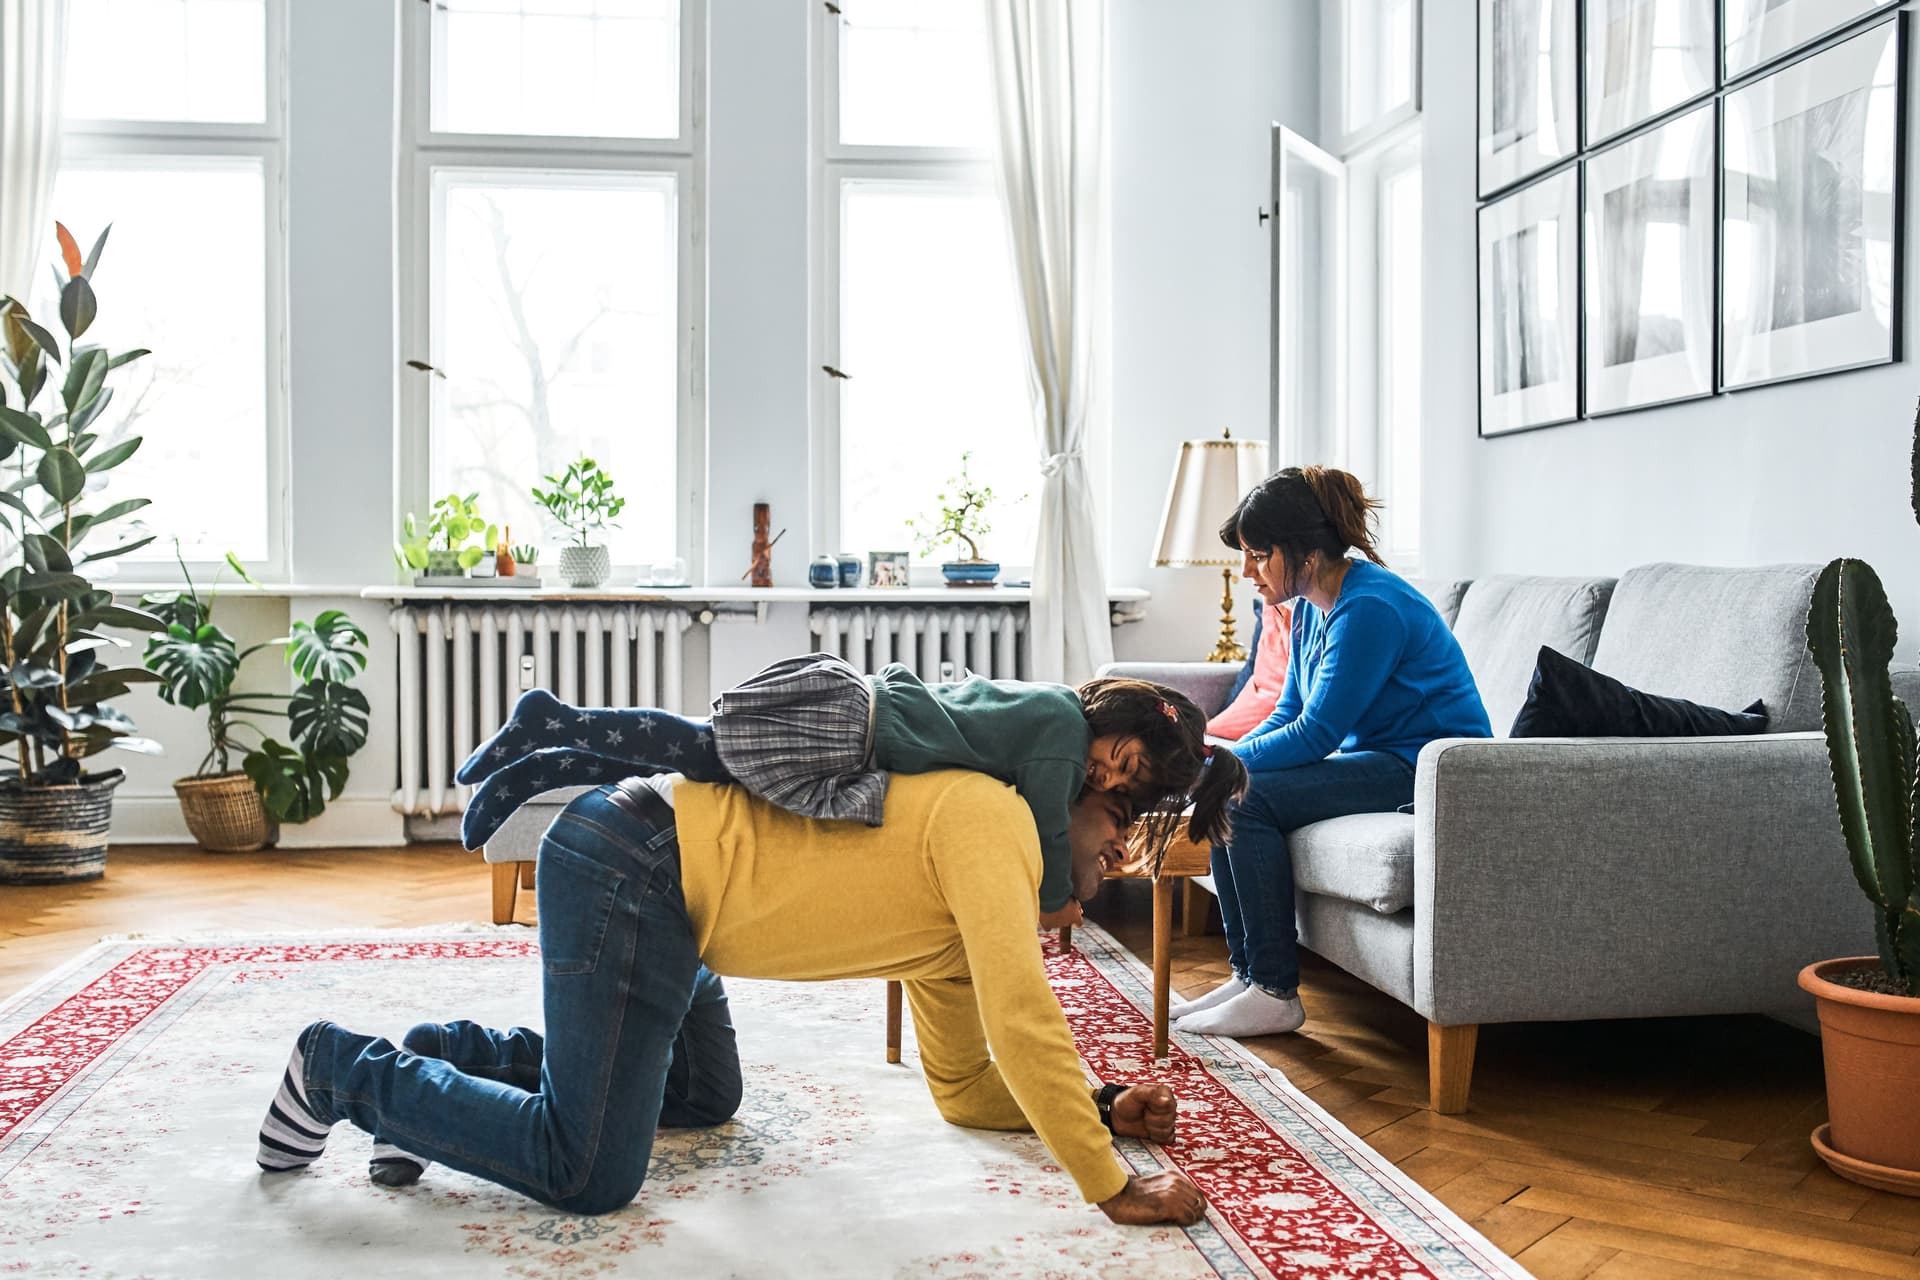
{"type": "Point", "coordinates": [1253, 871]}
{"type": "Point", "coordinates": [637, 1032]}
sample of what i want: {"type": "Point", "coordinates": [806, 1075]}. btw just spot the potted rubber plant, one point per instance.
{"type": "Point", "coordinates": [56, 686]}
{"type": "Point", "coordinates": [581, 501]}
{"type": "Point", "coordinates": [1869, 1006]}
{"type": "Point", "coordinates": [962, 522]}
{"type": "Point", "coordinates": [231, 810]}
{"type": "Point", "coordinates": [441, 551]}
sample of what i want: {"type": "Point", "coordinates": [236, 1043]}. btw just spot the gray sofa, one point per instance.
{"type": "Point", "coordinates": [1555, 879]}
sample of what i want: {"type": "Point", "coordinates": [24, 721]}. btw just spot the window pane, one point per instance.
{"type": "Point", "coordinates": [1312, 315]}
{"type": "Point", "coordinates": [196, 60]}
{"type": "Point", "coordinates": [555, 318]}
{"type": "Point", "coordinates": [1378, 59]}
{"type": "Point", "coordinates": [930, 332]}
{"type": "Point", "coordinates": [184, 273]}
{"type": "Point", "coordinates": [577, 68]}
{"type": "Point", "coordinates": [914, 73]}
{"type": "Point", "coordinates": [1400, 355]}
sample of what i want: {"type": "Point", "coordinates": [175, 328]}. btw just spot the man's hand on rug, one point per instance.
{"type": "Point", "coordinates": [1163, 1197]}
{"type": "Point", "coordinates": [1068, 916]}
{"type": "Point", "coordinates": [1145, 1111]}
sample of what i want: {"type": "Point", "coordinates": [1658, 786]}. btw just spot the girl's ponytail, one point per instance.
{"type": "Point", "coordinates": [1223, 781]}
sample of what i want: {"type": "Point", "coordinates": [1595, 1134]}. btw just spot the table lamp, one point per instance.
{"type": "Point", "coordinates": [1209, 480]}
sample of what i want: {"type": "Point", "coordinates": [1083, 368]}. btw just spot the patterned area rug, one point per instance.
{"type": "Point", "coordinates": [132, 1081]}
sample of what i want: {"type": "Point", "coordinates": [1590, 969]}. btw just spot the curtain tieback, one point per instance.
{"type": "Point", "coordinates": [1055, 463]}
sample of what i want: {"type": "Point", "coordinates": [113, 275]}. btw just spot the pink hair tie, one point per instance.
{"type": "Point", "coordinates": [1207, 751]}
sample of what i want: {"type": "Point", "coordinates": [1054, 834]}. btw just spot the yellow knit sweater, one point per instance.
{"type": "Point", "coordinates": [943, 897]}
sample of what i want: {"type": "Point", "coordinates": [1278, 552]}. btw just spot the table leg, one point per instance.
{"type": "Point", "coordinates": [1162, 961]}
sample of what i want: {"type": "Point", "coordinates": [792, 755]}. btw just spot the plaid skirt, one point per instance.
{"type": "Point", "coordinates": [800, 735]}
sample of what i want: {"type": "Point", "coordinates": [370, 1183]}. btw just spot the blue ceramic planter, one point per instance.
{"type": "Point", "coordinates": [970, 573]}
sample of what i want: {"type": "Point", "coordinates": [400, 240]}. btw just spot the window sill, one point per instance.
{"type": "Point", "coordinates": [735, 595]}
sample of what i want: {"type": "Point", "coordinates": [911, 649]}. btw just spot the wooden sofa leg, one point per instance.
{"type": "Point", "coordinates": [506, 880]}
{"type": "Point", "coordinates": [526, 875]}
{"type": "Point", "coordinates": [893, 1021]}
{"type": "Point", "coordinates": [1450, 1066]}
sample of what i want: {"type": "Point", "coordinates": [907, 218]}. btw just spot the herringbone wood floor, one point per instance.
{"type": "Point", "coordinates": [1645, 1149]}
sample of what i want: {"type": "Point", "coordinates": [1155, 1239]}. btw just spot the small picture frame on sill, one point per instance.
{"type": "Point", "coordinates": [887, 569]}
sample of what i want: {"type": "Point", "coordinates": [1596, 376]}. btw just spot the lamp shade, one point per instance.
{"type": "Point", "coordinates": [1209, 480]}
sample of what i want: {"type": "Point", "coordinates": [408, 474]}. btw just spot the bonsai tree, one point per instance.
{"type": "Point", "coordinates": [55, 690]}
{"type": "Point", "coordinates": [326, 716]}
{"type": "Point", "coordinates": [580, 499]}
{"type": "Point", "coordinates": [452, 521]}
{"type": "Point", "coordinates": [963, 517]}
{"type": "Point", "coordinates": [1870, 745]}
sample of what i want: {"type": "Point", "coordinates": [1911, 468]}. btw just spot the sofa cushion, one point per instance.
{"type": "Point", "coordinates": [1723, 637]}
{"type": "Point", "coordinates": [1365, 858]}
{"type": "Point", "coordinates": [1445, 594]}
{"type": "Point", "coordinates": [1504, 621]}
{"type": "Point", "coordinates": [1568, 700]}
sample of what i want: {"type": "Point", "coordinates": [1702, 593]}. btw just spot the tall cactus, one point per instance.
{"type": "Point", "coordinates": [1871, 746]}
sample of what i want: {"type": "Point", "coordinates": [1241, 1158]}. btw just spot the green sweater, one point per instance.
{"type": "Point", "coordinates": [1033, 736]}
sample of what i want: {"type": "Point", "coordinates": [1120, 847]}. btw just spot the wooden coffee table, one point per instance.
{"type": "Point", "coordinates": [1184, 860]}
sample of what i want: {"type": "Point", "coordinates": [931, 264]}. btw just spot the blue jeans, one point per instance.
{"type": "Point", "coordinates": [1253, 871]}
{"type": "Point", "coordinates": [637, 1033]}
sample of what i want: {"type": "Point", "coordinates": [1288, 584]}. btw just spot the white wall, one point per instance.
{"type": "Point", "coordinates": [1800, 472]}
{"type": "Point", "coordinates": [1196, 92]}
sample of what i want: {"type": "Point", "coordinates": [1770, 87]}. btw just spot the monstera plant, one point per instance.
{"type": "Point", "coordinates": [56, 626]}
{"type": "Point", "coordinates": [1870, 1005]}
{"type": "Point", "coordinates": [199, 664]}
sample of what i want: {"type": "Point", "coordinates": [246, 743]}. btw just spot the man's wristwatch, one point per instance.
{"type": "Point", "coordinates": [1104, 1101]}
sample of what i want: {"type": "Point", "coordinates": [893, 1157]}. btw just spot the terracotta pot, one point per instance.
{"type": "Point", "coordinates": [1872, 1047]}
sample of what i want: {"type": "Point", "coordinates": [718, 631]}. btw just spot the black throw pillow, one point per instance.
{"type": "Point", "coordinates": [1568, 700]}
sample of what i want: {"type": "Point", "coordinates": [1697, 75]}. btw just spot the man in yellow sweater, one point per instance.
{"type": "Point", "coordinates": [649, 891]}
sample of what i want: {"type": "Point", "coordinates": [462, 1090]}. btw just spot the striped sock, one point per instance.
{"type": "Point", "coordinates": [292, 1136]}
{"type": "Point", "coordinates": [392, 1167]}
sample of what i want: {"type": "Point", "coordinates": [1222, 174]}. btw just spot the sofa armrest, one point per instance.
{"type": "Point", "coordinates": [1206, 683]}
{"type": "Point", "coordinates": [1587, 878]}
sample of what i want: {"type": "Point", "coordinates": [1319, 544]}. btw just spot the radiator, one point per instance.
{"type": "Point", "coordinates": [945, 643]}
{"type": "Point", "coordinates": [462, 667]}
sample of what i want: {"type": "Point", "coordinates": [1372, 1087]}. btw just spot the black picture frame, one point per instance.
{"type": "Point", "coordinates": [1509, 399]}
{"type": "Point", "coordinates": [1507, 153]}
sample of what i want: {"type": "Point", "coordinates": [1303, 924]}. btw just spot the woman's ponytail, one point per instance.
{"type": "Point", "coordinates": [1349, 510]}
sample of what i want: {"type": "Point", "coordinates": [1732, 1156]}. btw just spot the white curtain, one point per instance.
{"type": "Point", "coordinates": [32, 50]}
{"type": "Point", "coordinates": [1050, 99]}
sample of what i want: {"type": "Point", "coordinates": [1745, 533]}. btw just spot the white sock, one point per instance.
{"type": "Point", "coordinates": [1251, 1013]}
{"type": "Point", "coordinates": [292, 1136]}
{"type": "Point", "coordinates": [1219, 995]}
{"type": "Point", "coordinates": [390, 1166]}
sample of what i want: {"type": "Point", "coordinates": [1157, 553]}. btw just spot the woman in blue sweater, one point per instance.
{"type": "Point", "coordinates": [1375, 675]}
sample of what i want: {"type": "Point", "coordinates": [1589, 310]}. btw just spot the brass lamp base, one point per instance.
{"type": "Point", "coordinates": [1227, 649]}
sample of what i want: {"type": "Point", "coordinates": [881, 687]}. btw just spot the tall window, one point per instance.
{"type": "Point", "coordinates": [552, 298]}
{"type": "Point", "coordinates": [175, 138]}
{"type": "Point", "coordinates": [918, 303]}
{"type": "Point", "coordinates": [1377, 314]}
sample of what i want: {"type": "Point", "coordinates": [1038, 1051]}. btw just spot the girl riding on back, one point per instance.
{"type": "Point", "coordinates": [815, 737]}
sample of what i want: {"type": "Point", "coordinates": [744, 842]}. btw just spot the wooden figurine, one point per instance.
{"type": "Point", "coordinates": [762, 548]}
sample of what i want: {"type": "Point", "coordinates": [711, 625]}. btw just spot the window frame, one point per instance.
{"type": "Point", "coordinates": [1355, 136]}
{"type": "Point", "coordinates": [682, 158]}
{"type": "Point", "coordinates": [836, 167]}
{"type": "Point", "coordinates": [1287, 441]}
{"type": "Point", "coordinates": [1371, 358]}
{"type": "Point", "coordinates": [92, 140]}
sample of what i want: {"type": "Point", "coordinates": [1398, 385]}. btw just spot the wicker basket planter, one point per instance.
{"type": "Point", "coordinates": [51, 835]}
{"type": "Point", "coordinates": [225, 813]}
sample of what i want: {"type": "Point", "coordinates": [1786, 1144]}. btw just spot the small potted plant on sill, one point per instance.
{"type": "Point", "coordinates": [237, 811]}
{"type": "Point", "coordinates": [962, 520]}
{"type": "Point", "coordinates": [55, 688]}
{"type": "Point", "coordinates": [1869, 1006]}
{"type": "Point", "coordinates": [581, 500]}
{"type": "Point", "coordinates": [442, 551]}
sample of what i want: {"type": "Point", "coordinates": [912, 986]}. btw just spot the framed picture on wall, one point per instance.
{"type": "Point", "coordinates": [1810, 222]}
{"type": "Point", "coordinates": [1644, 58]}
{"type": "Point", "coordinates": [1529, 74]}
{"type": "Point", "coordinates": [1530, 306]}
{"type": "Point", "coordinates": [1648, 257]}
{"type": "Point", "coordinates": [1757, 32]}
